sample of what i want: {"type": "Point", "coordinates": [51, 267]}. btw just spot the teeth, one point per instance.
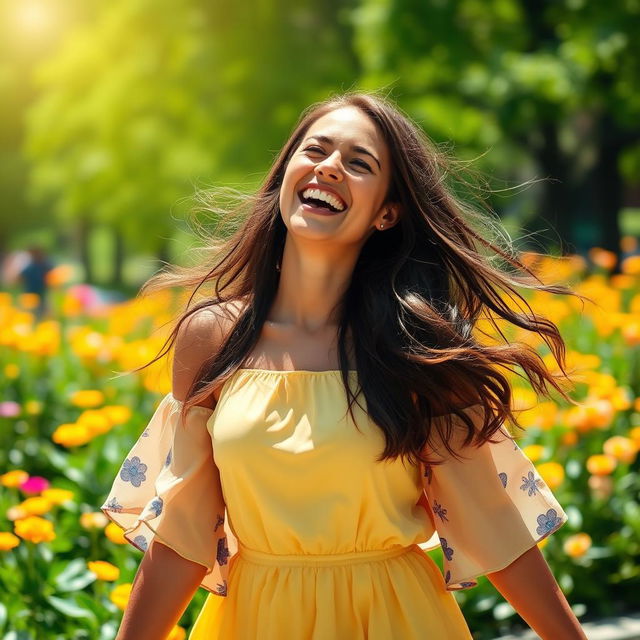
{"type": "Point", "coordinates": [317, 194]}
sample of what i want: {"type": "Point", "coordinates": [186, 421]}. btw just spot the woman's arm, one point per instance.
{"type": "Point", "coordinates": [162, 589]}
{"type": "Point", "coordinates": [528, 584]}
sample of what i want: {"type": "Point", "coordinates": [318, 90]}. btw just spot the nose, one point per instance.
{"type": "Point", "coordinates": [330, 168]}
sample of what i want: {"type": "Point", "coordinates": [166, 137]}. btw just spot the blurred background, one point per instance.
{"type": "Point", "coordinates": [113, 114]}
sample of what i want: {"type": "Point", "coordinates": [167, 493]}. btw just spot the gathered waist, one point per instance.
{"type": "Point", "coordinates": [323, 559]}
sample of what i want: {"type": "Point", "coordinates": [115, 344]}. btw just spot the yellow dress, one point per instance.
{"type": "Point", "coordinates": [304, 535]}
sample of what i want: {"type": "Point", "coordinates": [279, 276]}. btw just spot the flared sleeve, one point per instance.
{"type": "Point", "coordinates": [487, 508]}
{"type": "Point", "coordinates": [168, 488]}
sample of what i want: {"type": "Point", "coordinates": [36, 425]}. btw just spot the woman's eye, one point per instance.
{"type": "Point", "coordinates": [362, 163]}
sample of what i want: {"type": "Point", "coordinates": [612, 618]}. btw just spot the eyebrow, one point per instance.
{"type": "Point", "coordinates": [354, 147]}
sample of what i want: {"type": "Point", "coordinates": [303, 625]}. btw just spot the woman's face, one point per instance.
{"type": "Point", "coordinates": [344, 157]}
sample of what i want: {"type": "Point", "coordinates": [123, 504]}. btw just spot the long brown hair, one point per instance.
{"type": "Point", "coordinates": [416, 294]}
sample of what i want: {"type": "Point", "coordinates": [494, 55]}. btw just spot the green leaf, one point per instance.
{"type": "Point", "coordinates": [71, 608]}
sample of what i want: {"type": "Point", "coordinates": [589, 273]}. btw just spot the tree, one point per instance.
{"type": "Point", "coordinates": [531, 81]}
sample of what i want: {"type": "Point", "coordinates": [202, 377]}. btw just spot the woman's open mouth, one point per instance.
{"type": "Point", "coordinates": [321, 202]}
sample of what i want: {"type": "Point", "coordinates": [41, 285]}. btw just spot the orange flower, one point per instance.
{"type": "Point", "coordinates": [8, 541]}
{"type": "Point", "coordinates": [569, 438]}
{"type": "Point", "coordinates": [601, 465]}
{"type": "Point", "coordinates": [104, 570]}
{"type": "Point", "coordinates": [120, 595]}
{"type": "Point", "coordinates": [87, 399]}
{"type": "Point", "coordinates": [577, 545]}
{"type": "Point", "coordinates": [621, 448]}
{"type": "Point", "coordinates": [631, 266]}
{"type": "Point", "coordinates": [533, 451]}
{"type": "Point", "coordinates": [117, 413]}
{"type": "Point", "coordinates": [115, 533]}
{"type": "Point", "coordinates": [552, 473]}
{"type": "Point", "coordinates": [72, 435]}
{"type": "Point", "coordinates": [34, 529]}
{"type": "Point", "coordinates": [57, 496]}
{"type": "Point", "coordinates": [634, 434]}
{"type": "Point", "coordinates": [94, 520]}
{"type": "Point", "coordinates": [603, 258]}
{"type": "Point", "coordinates": [95, 420]}
{"type": "Point", "coordinates": [14, 478]}
{"type": "Point", "coordinates": [36, 506]}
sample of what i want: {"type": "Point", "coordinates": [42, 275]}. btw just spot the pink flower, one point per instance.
{"type": "Point", "coordinates": [9, 409]}
{"type": "Point", "coordinates": [34, 485]}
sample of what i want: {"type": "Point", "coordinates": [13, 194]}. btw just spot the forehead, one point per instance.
{"type": "Point", "coordinates": [348, 125]}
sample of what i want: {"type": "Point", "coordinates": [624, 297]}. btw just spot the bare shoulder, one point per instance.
{"type": "Point", "coordinates": [200, 335]}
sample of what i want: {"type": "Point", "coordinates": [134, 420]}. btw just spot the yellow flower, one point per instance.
{"type": "Point", "coordinates": [72, 435]}
{"type": "Point", "coordinates": [631, 265]}
{"type": "Point", "coordinates": [117, 414]}
{"type": "Point", "coordinates": [28, 300]}
{"type": "Point", "coordinates": [8, 541]}
{"type": "Point", "coordinates": [634, 434]}
{"type": "Point", "coordinates": [93, 520]}
{"type": "Point", "coordinates": [14, 478]}
{"type": "Point", "coordinates": [96, 421]}
{"type": "Point", "coordinates": [36, 506]}
{"type": "Point", "coordinates": [11, 371]}
{"type": "Point", "coordinates": [34, 529]}
{"type": "Point", "coordinates": [115, 533]}
{"type": "Point", "coordinates": [577, 545]}
{"type": "Point", "coordinates": [543, 542]}
{"type": "Point", "coordinates": [104, 570]}
{"type": "Point", "coordinates": [57, 496]}
{"type": "Point", "coordinates": [552, 473]}
{"type": "Point", "coordinates": [533, 451]}
{"type": "Point", "coordinates": [87, 399]}
{"type": "Point", "coordinates": [59, 275]}
{"type": "Point", "coordinates": [120, 595]}
{"type": "Point", "coordinates": [177, 633]}
{"type": "Point", "coordinates": [621, 448]}
{"type": "Point", "coordinates": [601, 465]}
{"type": "Point", "coordinates": [33, 407]}
{"type": "Point", "coordinates": [631, 332]}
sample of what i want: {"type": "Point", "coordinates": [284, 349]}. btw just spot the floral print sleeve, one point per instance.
{"type": "Point", "coordinates": [487, 508]}
{"type": "Point", "coordinates": [168, 488]}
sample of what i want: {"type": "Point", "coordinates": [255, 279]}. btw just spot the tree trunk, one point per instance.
{"type": "Point", "coordinates": [83, 234]}
{"type": "Point", "coordinates": [118, 257]}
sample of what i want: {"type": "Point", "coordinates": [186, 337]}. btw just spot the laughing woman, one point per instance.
{"type": "Point", "coordinates": [333, 414]}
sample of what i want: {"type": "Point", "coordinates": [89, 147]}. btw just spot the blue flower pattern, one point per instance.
{"type": "Point", "coordinates": [167, 462]}
{"type": "Point", "coordinates": [446, 549]}
{"type": "Point", "coordinates": [113, 505]}
{"type": "Point", "coordinates": [503, 478]}
{"type": "Point", "coordinates": [223, 552]}
{"type": "Point", "coordinates": [531, 483]}
{"type": "Point", "coordinates": [133, 471]}
{"type": "Point", "coordinates": [221, 589]}
{"type": "Point", "coordinates": [548, 522]}
{"type": "Point", "coordinates": [440, 511]}
{"type": "Point", "coordinates": [156, 506]}
{"type": "Point", "coordinates": [140, 542]}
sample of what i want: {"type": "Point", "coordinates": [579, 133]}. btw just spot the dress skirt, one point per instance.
{"type": "Point", "coordinates": [375, 595]}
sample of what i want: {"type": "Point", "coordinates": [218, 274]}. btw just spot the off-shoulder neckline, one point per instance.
{"type": "Point", "coordinates": [283, 372]}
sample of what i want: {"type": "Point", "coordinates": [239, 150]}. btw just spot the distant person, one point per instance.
{"type": "Point", "coordinates": [34, 277]}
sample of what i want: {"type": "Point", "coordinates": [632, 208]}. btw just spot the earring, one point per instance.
{"type": "Point", "coordinates": [381, 226]}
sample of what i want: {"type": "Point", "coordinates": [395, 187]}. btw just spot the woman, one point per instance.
{"type": "Point", "coordinates": [333, 402]}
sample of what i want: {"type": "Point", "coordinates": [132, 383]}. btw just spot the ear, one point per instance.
{"type": "Point", "coordinates": [390, 216]}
